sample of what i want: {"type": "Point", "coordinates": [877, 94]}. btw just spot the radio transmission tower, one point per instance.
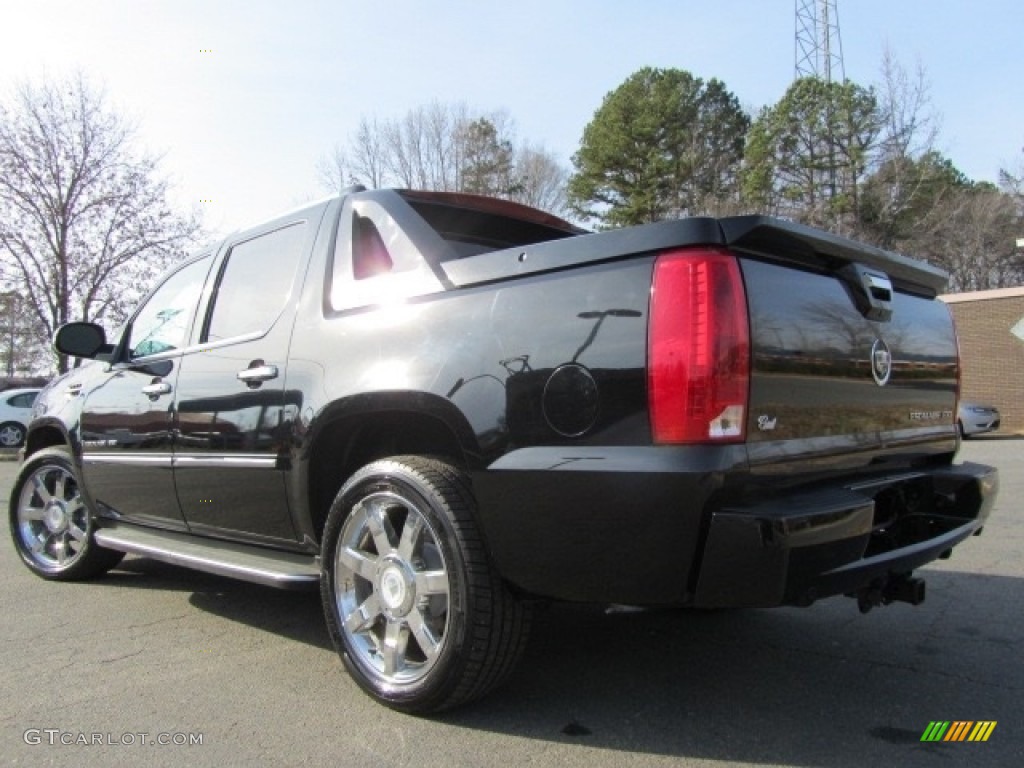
{"type": "Point", "coordinates": [819, 49]}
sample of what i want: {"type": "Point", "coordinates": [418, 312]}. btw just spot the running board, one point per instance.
{"type": "Point", "coordinates": [284, 570]}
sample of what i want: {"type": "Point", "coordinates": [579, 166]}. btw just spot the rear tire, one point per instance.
{"type": "Point", "coordinates": [51, 525]}
{"type": "Point", "coordinates": [414, 607]}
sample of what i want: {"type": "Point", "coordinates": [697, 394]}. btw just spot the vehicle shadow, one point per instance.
{"type": "Point", "coordinates": [294, 615]}
{"type": "Point", "coordinates": [823, 686]}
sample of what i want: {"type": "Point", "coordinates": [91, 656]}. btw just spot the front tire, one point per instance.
{"type": "Point", "coordinates": [414, 607]}
{"type": "Point", "coordinates": [51, 525]}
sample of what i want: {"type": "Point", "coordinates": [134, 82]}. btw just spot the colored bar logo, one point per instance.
{"type": "Point", "coordinates": [958, 730]}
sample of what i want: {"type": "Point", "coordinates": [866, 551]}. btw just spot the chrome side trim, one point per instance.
{"type": "Point", "coordinates": [191, 461]}
{"type": "Point", "coordinates": [171, 354]}
{"type": "Point", "coordinates": [136, 459]}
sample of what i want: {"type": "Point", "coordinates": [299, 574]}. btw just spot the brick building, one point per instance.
{"type": "Point", "coordinates": [991, 329]}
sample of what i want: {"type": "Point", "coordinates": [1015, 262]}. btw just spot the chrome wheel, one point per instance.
{"type": "Point", "coordinates": [391, 589]}
{"type": "Point", "coordinates": [52, 519]}
{"type": "Point", "coordinates": [11, 435]}
{"type": "Point", "coordinates": [420, 617]}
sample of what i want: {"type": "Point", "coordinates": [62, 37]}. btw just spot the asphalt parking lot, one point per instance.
{"type": "Point", "coordinates": [154, 651]}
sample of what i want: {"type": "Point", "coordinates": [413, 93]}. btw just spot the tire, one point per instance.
{"type": "Point", "coordinates": [12, 434]}
{"type": "Point", "coordinates": [51, 525]}
{"type": "Point", "coordinates": [420, 617]}
{"type": "Point", "coordinates": [963, 434]}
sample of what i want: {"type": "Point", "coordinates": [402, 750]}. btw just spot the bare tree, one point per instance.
{"type": "Point", "coordinates": [332, 170]}
{"type": "Point", "coordinates": [20, 349]}
{"type": "Point", "coordinates": [972, 234]}
{"type": "Point", "coordinates": [911, 125]}
{"type": "Point", "coordinates": [909, 175]}
{"type": "Point", "coordinates": [369, 156]}
{"type": "Point", "coordinates": [541, 179]}
{"type": "Point", "coordinates": [84, 218]}
{"type": "Point", "coordinates": [404, 147]}
{"type": "Point", "coordinates": [1012, 183]}
{"type": "Point", "coordinates": [416, 150]}
{"type": "Point", "coordinates": [448, 148]}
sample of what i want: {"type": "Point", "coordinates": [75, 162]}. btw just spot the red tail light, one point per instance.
{"type": "Point", "coordinates": [698, 348]}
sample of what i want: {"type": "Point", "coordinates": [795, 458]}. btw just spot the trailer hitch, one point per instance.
{"type": "Point", "coordinates": [902, 588]}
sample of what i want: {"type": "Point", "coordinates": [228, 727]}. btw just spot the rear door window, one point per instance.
{"type": "Point", "coordinates": [255, 283]}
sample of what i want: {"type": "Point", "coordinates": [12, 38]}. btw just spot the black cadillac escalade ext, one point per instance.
{"type": "Point", "coordinates": [439, 409]}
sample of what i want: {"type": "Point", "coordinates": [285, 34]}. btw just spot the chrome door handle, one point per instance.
{"type": "Point", "coordinates": [156, 389]}
{"type": "Point", "coordinates": [253, 376]}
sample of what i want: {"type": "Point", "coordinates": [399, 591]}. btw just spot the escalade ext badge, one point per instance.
{"type": "Point", "coordinates": [881, 362]}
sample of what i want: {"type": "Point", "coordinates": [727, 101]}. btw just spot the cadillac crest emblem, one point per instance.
{"type": "Point", "coordinates": [881, 362]}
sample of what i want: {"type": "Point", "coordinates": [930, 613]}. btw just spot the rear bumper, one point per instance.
{"type": "Point", "coordinates": [795, 549]}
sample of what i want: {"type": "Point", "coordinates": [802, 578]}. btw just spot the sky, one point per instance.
{"type": "Point", "coordinates": [241, 98]}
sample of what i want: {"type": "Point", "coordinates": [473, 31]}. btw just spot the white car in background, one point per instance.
{"type": "Point", "coordinates": [972, 418]}
{"type": "Point", "coordinates": [15, 414]}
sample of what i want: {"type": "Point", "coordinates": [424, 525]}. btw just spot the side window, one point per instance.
{"type": "Point", "coordinates": [381, 253]}
{"type": "Point", "coordinates": [23, 400]}
{"type": "Point", "coordinates": [162, 322]}
{"type": "Point", "coordinates": [370, 256]}
{"type": "Point", "coordinates": [255, 283]}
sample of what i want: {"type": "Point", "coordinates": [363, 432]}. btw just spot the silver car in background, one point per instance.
{"type": "Point", "coordinates": [974, 419]}
{"type": "Point", "coordinates": [15, 414]}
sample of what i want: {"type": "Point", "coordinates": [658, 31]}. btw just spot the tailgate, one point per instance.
{"type": "Point", "coordinates": [854, 361]}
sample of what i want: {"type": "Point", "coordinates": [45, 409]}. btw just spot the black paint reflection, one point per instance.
{"type": "Point", "coordinates": [812, 360]}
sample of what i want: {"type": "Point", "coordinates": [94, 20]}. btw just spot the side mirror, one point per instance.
{"type": "Point", "coordinates": [81, 340]}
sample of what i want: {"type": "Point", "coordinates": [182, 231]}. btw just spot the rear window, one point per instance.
{"type": "Point", "coordinates": [472, 225]}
